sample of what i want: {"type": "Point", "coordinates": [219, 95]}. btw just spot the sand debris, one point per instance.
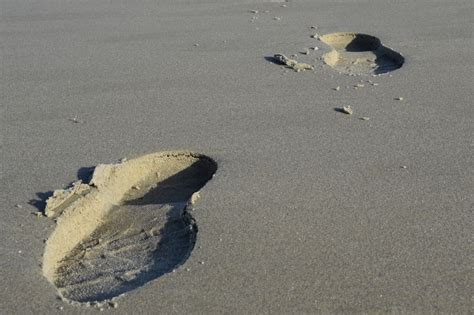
{"type": "Point", "coordinates": [337, 88]}
{"type": "Point", "coordinates": [62, 198]}
{"type": "Point", "coordinates": [399, 98]}
{"type": "Point", "coordinates": [347, 110]}
{"type": "Point", "coordinates": [254, 11]}
{"type": "Point", "coordinates": [315, 36]}
{"type": "Point", "coordinates": [19, 206]}
{"type": "Point", "coordinates": [364, 118]}
{"type": "Point", "coordinates": [359, 85]}
{"type": "Point", "coordinates": [305, 51]}
{"type": "Point", "coordinates": [195, 197]}
{"type": "Point", "coordinates": [75, 120]}
{"type": "Point", "coordinates": [276, 18]}
{"type": "Point", "coordinates": [293, 64]}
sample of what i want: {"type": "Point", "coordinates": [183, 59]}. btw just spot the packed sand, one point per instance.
{"type": "Point", "coordinates": [344, 181]}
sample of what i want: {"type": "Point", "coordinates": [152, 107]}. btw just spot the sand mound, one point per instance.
{"type": "Point", "coordinates": [360, 54]}
{"type": "Point", "coordinates": [129, 226]}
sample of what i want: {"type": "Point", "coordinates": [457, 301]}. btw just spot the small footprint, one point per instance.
{"type": "Point", "coordinates": [360, 54]}
{"type": "Point", "coordinates": [128, 228]}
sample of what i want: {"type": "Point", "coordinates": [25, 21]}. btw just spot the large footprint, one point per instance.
{"type": "Point", "coordinates": [360, 54]}
{"type": "Point", "coordinates": [129, 226]}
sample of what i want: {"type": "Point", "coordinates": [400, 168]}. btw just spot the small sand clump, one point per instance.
{"type": "Point", "coordinates": [347, 110]}
{"type": "Point", "coordinates": [293, 64]}
{"type": "Point", "coordinates": [62, 198]}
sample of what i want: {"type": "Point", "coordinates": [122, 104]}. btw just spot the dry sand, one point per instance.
{"type": "Point", "coordinates": [310, 211]}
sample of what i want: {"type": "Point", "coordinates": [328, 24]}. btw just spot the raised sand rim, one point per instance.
{"type": "Point", "coordinates": [360, 54]}
{"type": "Point", "coordinates": [129, 226]}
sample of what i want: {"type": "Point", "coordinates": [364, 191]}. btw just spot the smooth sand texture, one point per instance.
{"type": "Point", "coordinates": [311, 210]}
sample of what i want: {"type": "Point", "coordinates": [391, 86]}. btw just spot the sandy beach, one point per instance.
{"type": "Point", "coordinates": [336, 180]}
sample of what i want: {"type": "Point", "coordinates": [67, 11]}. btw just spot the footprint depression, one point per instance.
{"type": "Point", "coordinates": [127, 227]}
{"type": "Point", "coordinates": [360, 54]}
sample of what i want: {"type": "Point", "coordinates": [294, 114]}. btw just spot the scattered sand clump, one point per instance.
{"type": "Point", "coordinates": [293, 64]}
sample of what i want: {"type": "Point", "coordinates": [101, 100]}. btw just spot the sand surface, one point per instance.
{"type": "Point", "coordinates": [311, 210]}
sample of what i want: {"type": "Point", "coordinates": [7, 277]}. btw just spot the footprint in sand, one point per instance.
{"type": "Point", "coordinates": [129, 226]}
{"type": "Point", "coordinates": [360, 54]}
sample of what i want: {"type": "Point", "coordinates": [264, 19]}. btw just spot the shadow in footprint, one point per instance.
{"type": "Point", "coordinates": [177, 239]}
{"type": "Point", "coordinates": [139, 240]}
{"type": "Point", "coordinates": [360, 54]}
